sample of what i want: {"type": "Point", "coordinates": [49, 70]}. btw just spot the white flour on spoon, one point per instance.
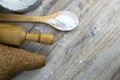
{"type": "Point", "coordinates": [65, 21]}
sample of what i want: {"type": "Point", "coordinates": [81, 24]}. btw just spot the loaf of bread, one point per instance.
{"type": "Point", "coordinates": [13, 61]}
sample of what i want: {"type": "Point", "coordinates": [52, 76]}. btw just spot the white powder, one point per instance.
{"type": "Point", "coordinates": [17, 4]}
{"type": "Point", "coordinates": [65, 21]}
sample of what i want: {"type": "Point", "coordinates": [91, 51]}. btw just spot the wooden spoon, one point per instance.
{"type": "Point", "coordinates": [63, 20]}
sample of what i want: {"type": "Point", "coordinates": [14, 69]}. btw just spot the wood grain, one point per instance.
{"type": "Point", "coordinates": [90, 52]}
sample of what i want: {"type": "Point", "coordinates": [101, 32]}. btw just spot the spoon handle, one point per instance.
{"type": "Point", "coordinates": [23, 18]}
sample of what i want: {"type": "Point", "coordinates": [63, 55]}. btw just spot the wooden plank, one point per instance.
{"type": "Point", "coordinates": [90, 52]}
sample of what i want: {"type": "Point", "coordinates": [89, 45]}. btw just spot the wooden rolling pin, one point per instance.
{"type": "Point", "coordinates": [15, 35]}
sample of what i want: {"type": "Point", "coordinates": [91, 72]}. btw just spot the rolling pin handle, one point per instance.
{"type": "Point", "coordinates": [41, 38]}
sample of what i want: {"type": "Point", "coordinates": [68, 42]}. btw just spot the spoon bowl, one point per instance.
{"type": "Point", "coordinates": [64, 21]}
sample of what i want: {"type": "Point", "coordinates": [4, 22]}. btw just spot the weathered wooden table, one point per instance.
{"type": "Point", "coordinates": [90, 52]}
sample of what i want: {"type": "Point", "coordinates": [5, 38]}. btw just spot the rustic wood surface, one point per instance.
{"type": "Point", "coordinates": [90, 52]}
